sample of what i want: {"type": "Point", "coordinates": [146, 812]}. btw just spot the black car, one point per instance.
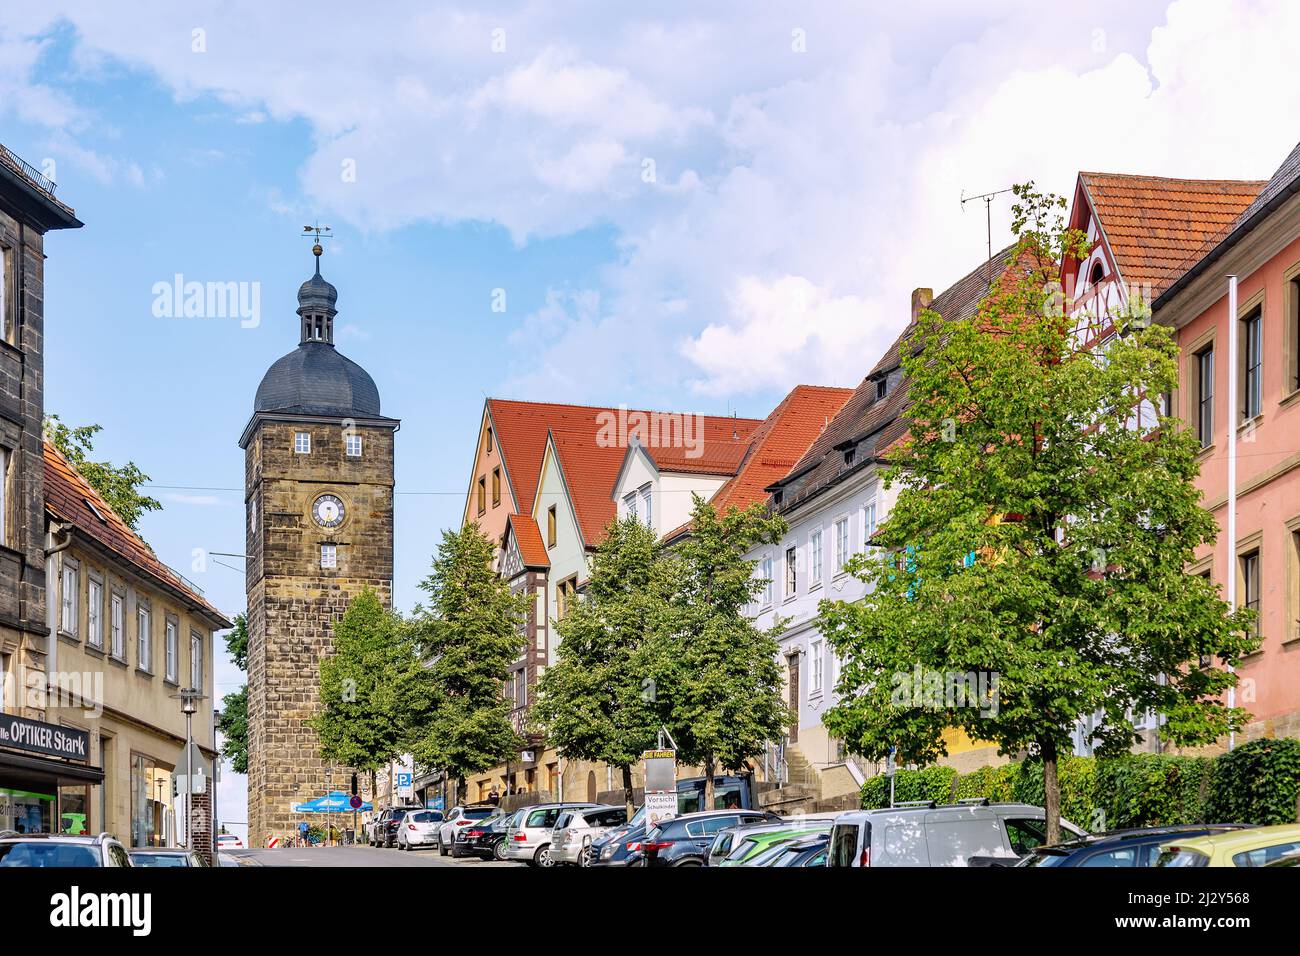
{"type": "Point", "coordinates": [1138, 847]}
{"type": "Point", "coordinates": [685, 840]}
{"type": "Point", "coordinates": [484, 839]}
{"type": "Point", "coordinates": [384, 832]}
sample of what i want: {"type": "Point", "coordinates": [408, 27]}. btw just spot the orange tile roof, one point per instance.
{"type": "Point", "coordinates": [69, 497]}
{"type": "Point", "coordinates": [1158, 227]}
{"type": "Point", "coordinates": [591, 465]}
{"type": "Point", "coordinates": [528, 538]}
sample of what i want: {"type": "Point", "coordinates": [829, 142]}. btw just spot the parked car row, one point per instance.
{"type": "Point", "coordinates": [59, 850]}
{"type": "Point", "coordinates": [969, 833]}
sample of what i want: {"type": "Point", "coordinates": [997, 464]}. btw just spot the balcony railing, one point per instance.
{"type": "Point", "coordinates": [12, 159]}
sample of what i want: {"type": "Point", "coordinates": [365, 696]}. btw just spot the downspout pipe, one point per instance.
{"type": "Point", "coordinates": [1232, 473]}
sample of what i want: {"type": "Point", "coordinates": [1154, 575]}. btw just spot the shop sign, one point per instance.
{"type": "Point", "coordinates": [37, 737]}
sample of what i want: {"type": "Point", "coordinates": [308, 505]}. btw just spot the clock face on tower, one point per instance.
{"type": "Point", "coordinates": [327, 511]}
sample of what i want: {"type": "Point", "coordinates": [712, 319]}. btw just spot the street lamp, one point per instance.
{"type": "Point", "coordinates": [329, 777]}
{"type": "Point", "coordinates": [189, 698]}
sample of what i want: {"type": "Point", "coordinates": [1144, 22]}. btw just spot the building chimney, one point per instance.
{"type": "Point", "coordinates": [921, 300]}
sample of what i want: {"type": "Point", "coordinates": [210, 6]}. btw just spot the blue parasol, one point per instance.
{"type": "Point", "coordinates": [336, 802]}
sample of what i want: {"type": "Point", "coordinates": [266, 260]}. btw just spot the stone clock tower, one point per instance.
{"type": "Point", "coordinates": [318, 479]}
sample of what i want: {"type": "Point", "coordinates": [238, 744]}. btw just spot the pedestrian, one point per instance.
{"type": "Point", "coordinates": [302, 833]}
{"type": "Point", "coordinates": [494, 795]}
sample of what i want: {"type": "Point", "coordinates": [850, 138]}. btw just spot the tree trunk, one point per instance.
{"type": "Point", "coordinates": [1051, 792]}
{"type": "Point", "coordinates": [707, 802]}
{"type": "Point", "coordinates": [627, 791]}
{"type": "Point", "coordinates": [462, 787]}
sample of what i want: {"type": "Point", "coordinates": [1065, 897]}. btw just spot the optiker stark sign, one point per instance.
{"type": "Point", "coordinates": [37, 737]}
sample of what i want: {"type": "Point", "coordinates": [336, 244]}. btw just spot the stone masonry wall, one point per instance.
{"type": "Point", "coordinates": [293, 602]}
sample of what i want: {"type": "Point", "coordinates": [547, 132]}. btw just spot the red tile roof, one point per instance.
{"type": "Point", "coordinates": [589, 462]}
{"type": "Point", "coordinates": [69, 497]}
{"type": "Point", "coordinates": [1158, 227]}
{"type": "Point", "coordinates": [528, 538]}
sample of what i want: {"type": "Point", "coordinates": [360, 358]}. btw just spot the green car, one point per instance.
{"type": "Point", "coordinates": [749, 845]}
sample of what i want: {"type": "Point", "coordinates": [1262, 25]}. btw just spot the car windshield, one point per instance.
{"type": "Point", "coordinates": [1043, 857]}
{"type": "Point", "coordinates": [158, 859]}
{"type": "Point", "coordinates": [48, 854]}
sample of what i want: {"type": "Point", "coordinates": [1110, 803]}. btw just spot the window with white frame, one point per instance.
{"type": "Point", "coordinates": [95, 613]}
{"type": "Point", "coordinates": [816, 662]}
{"type": "Point", "coordinates": [841, 544]}
{"type": "Point", "coordinates": [68, 596]}
{"type": "Point", "coordinates": [4, 496]}
{"type": "Point", "coordinates": [765, 572]}
{"type": "Point", "coordinates": [302, 443]}
{"type": "Point", "coordinates": [868, 523]}
{"type": "Point", "coordinates": [815, 558]}
{"type": "Point", "coordinates": [117, 627]}
{"type": "Point", "coordinates": [629, 503]}
{"type": "Point", "coordinates": [196, 660]}
{"type": "Point", "coordinates": [144, 639]}
{"type": "Point", "coordinates": [329, 557]}
{"type": "Point", "coordinates": [7, 322]}
{"type": "Point", "coordinates": [646, 506]}
{"type": "Point", "coordinates": [791, 572]}
{"type": "Point", "coordinates": [353, 446]}
{"type": "Point", "coordinates": [172, 650]}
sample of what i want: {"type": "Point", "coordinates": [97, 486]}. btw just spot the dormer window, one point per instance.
{"type": "Point", "coordinates": [881, 388]}
{"type": "Point", "coordinates": [849, 455]}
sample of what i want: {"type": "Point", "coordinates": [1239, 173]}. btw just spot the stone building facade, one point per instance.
{"type": "Point", "coordinates": [28, 210]}
{"type": "Point", "coordinates": [319, 499]}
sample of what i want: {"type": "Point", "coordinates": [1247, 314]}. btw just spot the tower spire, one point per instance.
{"type": "Point", "coordinates": [316, 297]}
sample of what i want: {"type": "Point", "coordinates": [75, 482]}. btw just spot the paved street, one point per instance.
{"type": "Point", "coordinates": [352, 856]}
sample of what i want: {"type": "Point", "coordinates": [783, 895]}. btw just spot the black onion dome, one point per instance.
{"type": "Point", "coordinates": [314, 379]}
{"type": "Point", "coordinates": [317, 295]}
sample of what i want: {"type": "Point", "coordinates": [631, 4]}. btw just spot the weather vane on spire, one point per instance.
{"type": "Point", "coordinates": [321, 232]}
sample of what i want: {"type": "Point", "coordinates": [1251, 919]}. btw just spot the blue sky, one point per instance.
{"type": "Point", "coordinates": [685, 210]}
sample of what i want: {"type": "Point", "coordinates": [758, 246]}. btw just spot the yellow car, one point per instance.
{"type": "Point", "coordinates": [1256, 846]}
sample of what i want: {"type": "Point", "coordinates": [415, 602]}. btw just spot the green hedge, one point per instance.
{"type": "Point", "coordinates": [1258, 782]}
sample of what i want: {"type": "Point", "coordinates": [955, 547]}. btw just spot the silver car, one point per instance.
{"type": "Point", "coordinates": [925, 834]}
{"type": "Point", "coordinates": [529, 838]}
{"type": "Point", "coordinates": [51, 850]}
{"type": "Point", "coordinates": [576, 829]}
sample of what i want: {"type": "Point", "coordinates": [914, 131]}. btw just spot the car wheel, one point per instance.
{"type": "Point", "coordinates": [543, 855]}
{"type": "Point", "coordinates": [456, 852]}
{"type": "Point", "coordinates": [442, 847]}
{"type": "Point", "coordinates": [499, 851]}
{"type": "Point", "coordinates": [584, 858]}
{"type": "Point", "coordinates": [688, 862]}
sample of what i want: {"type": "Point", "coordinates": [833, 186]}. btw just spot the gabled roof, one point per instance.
{"type": "Point", "coordinates": [528, 539]}
{"type": "Point", "coordinates": [780, 442]}
{"type": "Point", "coordinates": [590, 461]}
{"type": "Point", "coordinates": [1157, 227]}
{"type": "Point", "coordinates": [1284, 183]}
{"type": "Point", "coordinates": [878, 423]}
{"type": "Point", "coordinates": [69, 497]}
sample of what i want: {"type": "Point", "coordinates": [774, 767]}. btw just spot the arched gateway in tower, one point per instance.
{"type": "Point", "coordinates": [318, 481]}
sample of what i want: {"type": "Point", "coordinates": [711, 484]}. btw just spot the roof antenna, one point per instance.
{"type": "Point", "coordinates": [988, 220]}
{"type": "Point", "coordinates": [735, 435]}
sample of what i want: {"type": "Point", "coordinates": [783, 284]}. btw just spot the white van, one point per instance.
{"type": "Point", "coordinates": [926, 834]}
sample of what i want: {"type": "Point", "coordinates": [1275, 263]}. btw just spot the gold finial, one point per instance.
{"type": "Point", "coordinates": [319, 232]}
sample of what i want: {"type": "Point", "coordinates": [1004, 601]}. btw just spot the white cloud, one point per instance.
{"type": "Point", "coordinates": [797, 198]}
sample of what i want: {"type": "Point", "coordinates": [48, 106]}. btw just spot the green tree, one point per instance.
{"type": "Point", "coordinates": [1040, 536]}
{"type": "Point", "coordinates": [470, 635]}
{"type": "Point", "coordinates": [723, 689]}
{"type": "Point", "coordinates": [371, 687]}
{"type": "Point", "coordinates": [598, 701]}
{"type": "Point", "coordinates": [119, 486]}
{"type": "Point", "coordinates": [232, 719]}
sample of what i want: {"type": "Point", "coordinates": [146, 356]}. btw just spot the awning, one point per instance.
{"type": "Point", "coordinates": [69, 773]}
